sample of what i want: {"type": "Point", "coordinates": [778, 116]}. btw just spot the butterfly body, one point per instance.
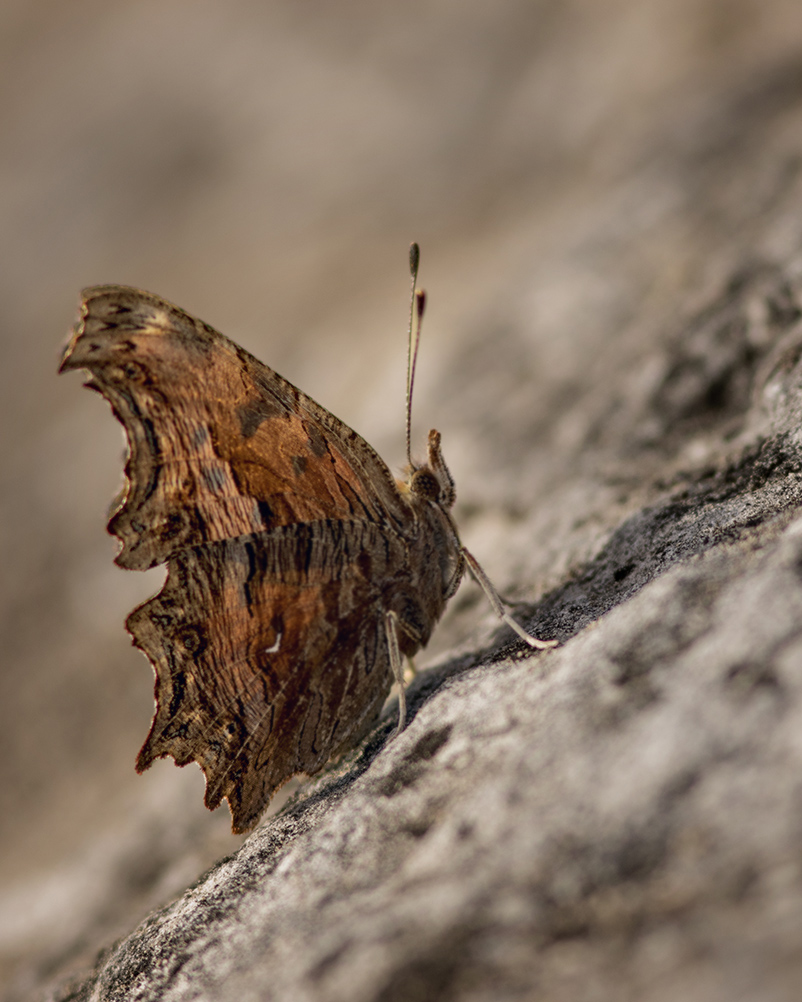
{"type": "Point", "coordinates": [289, 549]}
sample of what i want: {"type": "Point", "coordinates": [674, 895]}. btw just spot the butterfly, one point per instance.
{"type": "Point", "coordinates": [300, 572]}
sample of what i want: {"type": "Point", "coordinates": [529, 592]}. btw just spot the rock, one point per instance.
{"type": "Point", "coordinates": [616, 818]}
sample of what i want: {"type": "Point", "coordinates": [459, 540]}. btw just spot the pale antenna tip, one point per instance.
{"type": "Point", "coordinates": [420, 303]}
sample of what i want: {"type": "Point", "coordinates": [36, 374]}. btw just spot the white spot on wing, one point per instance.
{"type": "Point", "coordinates": [276, 645]}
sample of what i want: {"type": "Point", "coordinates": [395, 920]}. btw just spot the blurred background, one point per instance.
{"type": "Point", "coordinates": [265, 165]}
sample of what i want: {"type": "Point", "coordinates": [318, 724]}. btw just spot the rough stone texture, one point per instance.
{"type": "Point", "coordinates": [609, 200]}
{"type": "Point", "coordinates": [617, 819]}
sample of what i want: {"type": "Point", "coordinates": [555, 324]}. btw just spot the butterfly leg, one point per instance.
{"type": "Point", "coordinates": [391, 624]}
{"type": "Point", "coordinates": [498, 606]}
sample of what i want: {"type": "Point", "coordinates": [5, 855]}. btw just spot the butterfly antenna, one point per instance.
{"type": "Point", "coordinates": [417, 304]}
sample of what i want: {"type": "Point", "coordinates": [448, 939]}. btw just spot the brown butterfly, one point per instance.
{"type": "Point", "coordinates": [299, 571]}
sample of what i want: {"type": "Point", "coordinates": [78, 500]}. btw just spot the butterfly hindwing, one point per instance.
{"type": "Point", "coordinates": [268, 658]}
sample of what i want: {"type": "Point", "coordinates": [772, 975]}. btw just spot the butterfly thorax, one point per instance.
{"type": "Point", "coordinates": [434, 556]}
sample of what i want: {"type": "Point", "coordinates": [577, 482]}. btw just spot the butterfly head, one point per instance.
{"type": "Point", "coordinates": [433, 480]}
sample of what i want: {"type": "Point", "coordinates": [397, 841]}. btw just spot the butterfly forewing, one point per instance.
{"type": "Point", "coordinates": [219, 444]}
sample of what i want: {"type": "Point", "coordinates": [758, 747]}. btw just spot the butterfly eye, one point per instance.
{"type": "Point", "coordinates": [425, 484]}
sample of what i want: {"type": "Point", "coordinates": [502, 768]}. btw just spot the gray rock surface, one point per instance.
{"type": "Point", "coordinates": [619, 818]}
{"type": "Point", "coordinates": [609, 200]}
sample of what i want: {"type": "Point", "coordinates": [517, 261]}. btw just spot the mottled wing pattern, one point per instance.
{"type": "Point", "coordinates": [220, 445]}
{"type": "Point", "coordinates": [268, 638]}
{"type": "Point", "coordinates": [270, 655]}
